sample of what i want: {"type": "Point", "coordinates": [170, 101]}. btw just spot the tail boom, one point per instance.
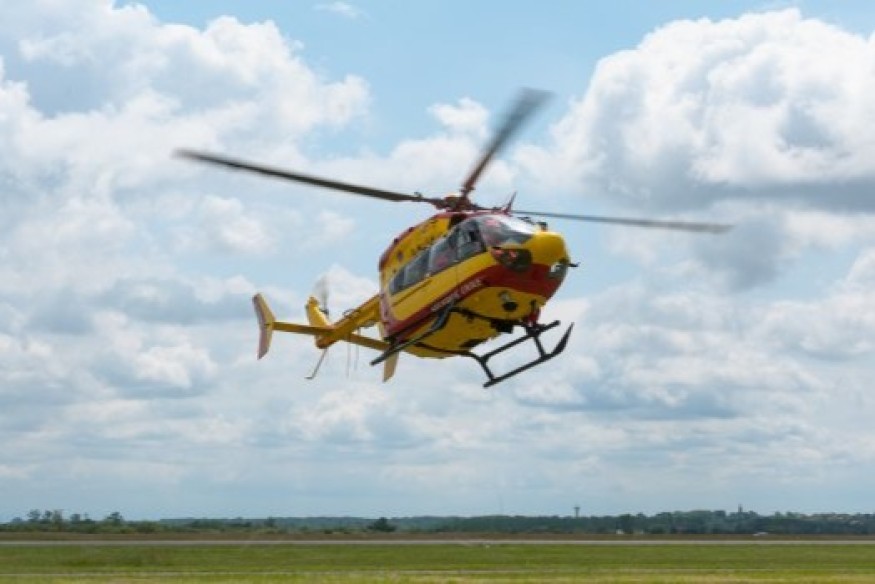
{"type": "Point", "coordinates": [326, 334]}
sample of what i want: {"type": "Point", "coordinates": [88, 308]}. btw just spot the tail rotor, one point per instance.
{"type": "Point", "coordinates": [321, 292]}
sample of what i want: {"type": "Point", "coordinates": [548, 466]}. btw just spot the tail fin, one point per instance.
{"type": "Point", "coordinates": [389, 366]}
{"type": "Point", "coordinates": [266, 321]}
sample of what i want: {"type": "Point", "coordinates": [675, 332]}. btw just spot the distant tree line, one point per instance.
{"type": "Point", "coordinates": [55, 520]}
{"type": "Point", "coordinates": [669, 523]}
{"type": "Point", "coordinates": [673, 523]}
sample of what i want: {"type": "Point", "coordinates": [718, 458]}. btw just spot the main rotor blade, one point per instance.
{"type": "Point", "coordinates": [650, 223]}
{"type": "Point", "coordinates": [238, 164]}
{"type": "Point", "coordinates": [527, 102]}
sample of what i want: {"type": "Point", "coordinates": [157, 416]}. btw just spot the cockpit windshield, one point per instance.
{"type": "Point", "coordinates": [499, 230]}
{"type": "Point", "coordinates": [469, 238]}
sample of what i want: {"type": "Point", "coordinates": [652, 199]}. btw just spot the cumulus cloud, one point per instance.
{"type": "Point", "coordinates": [79, 176]}
{"type": "Point", "coordinates": [94, 228]}
{"type": "Point", "coordinates": [682, 377]}
{"type": "Point", "coordinates": [225, 226]}
{"type": "Point", "coordinates": [164, 300]}
{"type": "Point", "coordinates": [467, 116]}
{"type": "Point", "coordinates": [703, 111]}
{"type": "Point", "coordinates": [344, 9]}
{"type": "Point", "coordinates": [840, 327]}
{"type": "Point", "coordinates": [330, 227]}
{"type": "Point", "coordinates": [746, 121]}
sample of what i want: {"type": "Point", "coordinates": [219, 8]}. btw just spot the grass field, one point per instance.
{"type": "Point", "coordinates": [438, 562]}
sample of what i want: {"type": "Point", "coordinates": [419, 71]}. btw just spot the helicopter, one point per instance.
{"type": "Point", "coordinates": [452, 282]}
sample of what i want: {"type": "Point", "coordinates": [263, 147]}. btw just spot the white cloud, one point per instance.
{"type": "Point", "coordinates": [807, 229]}
{"type": "Point", "coordinates": [330, 228]}
{"type": "Point", "coordinates": [752, 107]}
{"type": "Point", "coordinates": [697, 384]}
{"type": "Point", "coordinates": [225, 226]}
{"type": "Point", "coordinates": [102, 299]}
{"type": "Point", "coordinates": [344, 9]}
{"type": "Point", "coordinates": [467, 117]}
{"type": "Point", "coordinates": [746, 121]}
{"type": "Point", "coordinates": [840, 327]}
{"type": "Point", "coordinates": [178, 366]}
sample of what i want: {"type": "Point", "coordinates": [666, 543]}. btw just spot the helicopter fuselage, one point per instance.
{"type": "Point", "coordinates": [461, 278]}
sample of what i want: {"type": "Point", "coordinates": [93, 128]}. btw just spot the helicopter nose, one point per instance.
{"type": "Point", "coordinates": [548, 248]}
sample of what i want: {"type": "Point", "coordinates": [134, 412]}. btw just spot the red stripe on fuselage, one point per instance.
{"type": "Point", "coordinates": [532, 281]}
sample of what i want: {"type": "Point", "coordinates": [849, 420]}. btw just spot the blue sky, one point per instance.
{"type": "Point", "coordinates": [704, 372]}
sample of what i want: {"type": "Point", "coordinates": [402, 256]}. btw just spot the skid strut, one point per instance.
{"type": "Point", "coordinates": [532, 332]}
{"type": "Point", "coordinates": [439, 323]}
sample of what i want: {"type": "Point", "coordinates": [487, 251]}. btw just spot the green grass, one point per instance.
{"type": "Point", "coordinates": [451, 562]}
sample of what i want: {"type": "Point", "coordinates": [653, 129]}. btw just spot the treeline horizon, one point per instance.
{"type": "Point", "coordinates": [697, 522]}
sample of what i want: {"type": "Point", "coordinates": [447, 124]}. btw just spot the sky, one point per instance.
{"type": "Point", "coordinates": [704, 372]}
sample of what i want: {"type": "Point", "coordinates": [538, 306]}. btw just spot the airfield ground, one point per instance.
{"type": "Point", "coordinates": [427, 560]}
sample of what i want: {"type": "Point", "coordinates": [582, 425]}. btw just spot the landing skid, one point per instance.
{"type": "Point", "coordinates": [533, 332]}
{"type": "Point", "coordinates": [439, 323]}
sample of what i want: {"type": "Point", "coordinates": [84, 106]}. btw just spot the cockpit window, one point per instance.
{"type": "Point", "coordinates": [467, 239]}
{"type": "Point", "coordinates": [499, 230]}
{"type": "Point", "coordinates": [442, 255]}
{"type": "Point", "coordinates": [469, 242]}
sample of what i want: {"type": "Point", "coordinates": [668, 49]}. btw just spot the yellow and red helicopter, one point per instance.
{"type": "Point", "coordinates": [463, 276]}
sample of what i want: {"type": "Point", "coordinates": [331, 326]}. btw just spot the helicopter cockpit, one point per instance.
{"type": "Point", "coordinates": [499, 230]}
{"type": "Point", "coordinates": [473, 236]}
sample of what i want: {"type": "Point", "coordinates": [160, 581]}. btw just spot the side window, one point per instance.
{"type": "Point", "coordinates": [415, 271]}
{"type": "Point", "coordinates": [442, 255]}
{"type": "Point", "coordinates": [469, 241]}
{"type": "Point", "coordinates": [397, 283]}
